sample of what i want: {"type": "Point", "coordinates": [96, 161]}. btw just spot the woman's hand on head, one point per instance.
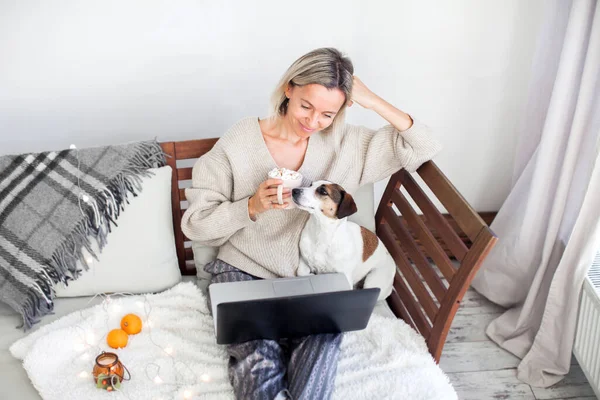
{"type": "Point", "coordinates": [362, 95]}
{"type": "Point", "coordinates": [265, 198]}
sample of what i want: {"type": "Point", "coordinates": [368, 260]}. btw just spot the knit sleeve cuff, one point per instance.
{"type": "Point", "coordinates": [419, 137]}
{"type": "Point", "coordinates": [417, 130]}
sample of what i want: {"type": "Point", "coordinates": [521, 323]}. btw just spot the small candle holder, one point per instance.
{"type": "Point", "coordinates": [109, 372]}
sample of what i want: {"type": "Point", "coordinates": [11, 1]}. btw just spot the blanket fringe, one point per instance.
{"type": "Point", "coordinates": [101, 213]}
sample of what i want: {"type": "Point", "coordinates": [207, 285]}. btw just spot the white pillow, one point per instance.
{"type": "Point", "coordinates": [364, 201]}
{"type": "Point", "coordinates": [140, 255]}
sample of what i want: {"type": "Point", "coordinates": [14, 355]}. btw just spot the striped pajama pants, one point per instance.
{"type": "Point", "coordinates": [296, 368]}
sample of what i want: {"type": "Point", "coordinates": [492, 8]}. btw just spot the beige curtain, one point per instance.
{"type": "Point", "coordinates": [549, 226]}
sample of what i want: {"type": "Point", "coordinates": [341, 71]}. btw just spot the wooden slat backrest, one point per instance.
{"type": "Point", "coordinates": [175, 151]}
{"type": "Point", "coordinates": [442, 281]}
{"type": "Point", "coordinates": [435, 217]}
{"type": "Point", "coordinates": [465, 216]}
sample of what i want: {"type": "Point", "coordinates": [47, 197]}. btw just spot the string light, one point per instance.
{"type": "Point", "coordinates": [205, 378]}
{"type": "Point", "coordinates": [110, 305]}
{"type": "Point", "coordinates": [88, 337]}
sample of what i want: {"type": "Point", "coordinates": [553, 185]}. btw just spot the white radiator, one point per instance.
{"type": "Point", "coordinates": [587, 337]}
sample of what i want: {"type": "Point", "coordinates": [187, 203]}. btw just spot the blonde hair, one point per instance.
{"type": "Point", "coordinates": [325, 66]}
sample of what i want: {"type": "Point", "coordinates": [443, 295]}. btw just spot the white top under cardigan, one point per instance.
{"type": "Point", "coordinates": [225, 177]}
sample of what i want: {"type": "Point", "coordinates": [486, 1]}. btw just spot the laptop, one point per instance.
{"type": "Point", "coordinates": [289, 307]}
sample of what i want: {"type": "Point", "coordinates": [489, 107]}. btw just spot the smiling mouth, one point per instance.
{"type": "Point", "coordinates": [306, 129]}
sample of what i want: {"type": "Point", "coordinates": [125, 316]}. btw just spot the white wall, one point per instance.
{"type": "Point", "coordinates": [94, 73]}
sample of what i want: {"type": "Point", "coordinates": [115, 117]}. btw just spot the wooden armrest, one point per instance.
{"type": "Point", "coordinates": [429, 285]}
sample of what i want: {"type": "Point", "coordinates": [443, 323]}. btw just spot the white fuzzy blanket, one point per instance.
{"type": "Point", "coordinates": [387, 360]}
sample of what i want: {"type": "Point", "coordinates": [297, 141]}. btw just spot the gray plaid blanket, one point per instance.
{"type": "Point", "coordinates": [52, 205]}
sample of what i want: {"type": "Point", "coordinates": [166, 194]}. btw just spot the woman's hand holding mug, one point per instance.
{"type": "Point", "coordinates": [265, 197]}
{"type": "Point", "coordinates": [273, 193]}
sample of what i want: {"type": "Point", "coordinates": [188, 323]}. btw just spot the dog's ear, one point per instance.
{"type": "Point", "coordinates": [346, 207]}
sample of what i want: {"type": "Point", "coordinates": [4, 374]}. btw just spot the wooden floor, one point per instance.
{"type": "Point", "coordinates": [481, 370]}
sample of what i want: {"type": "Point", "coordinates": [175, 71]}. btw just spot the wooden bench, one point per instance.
{"type": "Point", "coordinates": [435, 264]}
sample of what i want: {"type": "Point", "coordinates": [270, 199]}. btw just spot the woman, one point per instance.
{"type": "Point", "coordinates": [234, 206]}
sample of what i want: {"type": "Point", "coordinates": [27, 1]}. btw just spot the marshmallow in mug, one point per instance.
{"type": "Point", "coordinates": [284, 174]}
{"type": "Point", "coordinates": [291, 179]}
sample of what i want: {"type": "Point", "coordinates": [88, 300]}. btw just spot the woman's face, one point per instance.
{"type": "Point", "coordinates": [312, 108]}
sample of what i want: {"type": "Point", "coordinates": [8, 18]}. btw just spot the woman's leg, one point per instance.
{"type": "Point", "coordinates": [313, 366]}
{"type": "Point", "coordinates": [256, 368]}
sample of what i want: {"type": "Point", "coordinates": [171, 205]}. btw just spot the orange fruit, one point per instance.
{"type": "Point", "coordinates": [117, 338]}
{"type": "Point", "coordinates": [132, 324]}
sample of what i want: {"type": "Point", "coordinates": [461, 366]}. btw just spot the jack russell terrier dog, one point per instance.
{"type": "Point", "coordinates": [330, 243]}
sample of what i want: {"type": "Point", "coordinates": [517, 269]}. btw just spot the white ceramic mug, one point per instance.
{"type": "Point", "coordinates": [291, 179]}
